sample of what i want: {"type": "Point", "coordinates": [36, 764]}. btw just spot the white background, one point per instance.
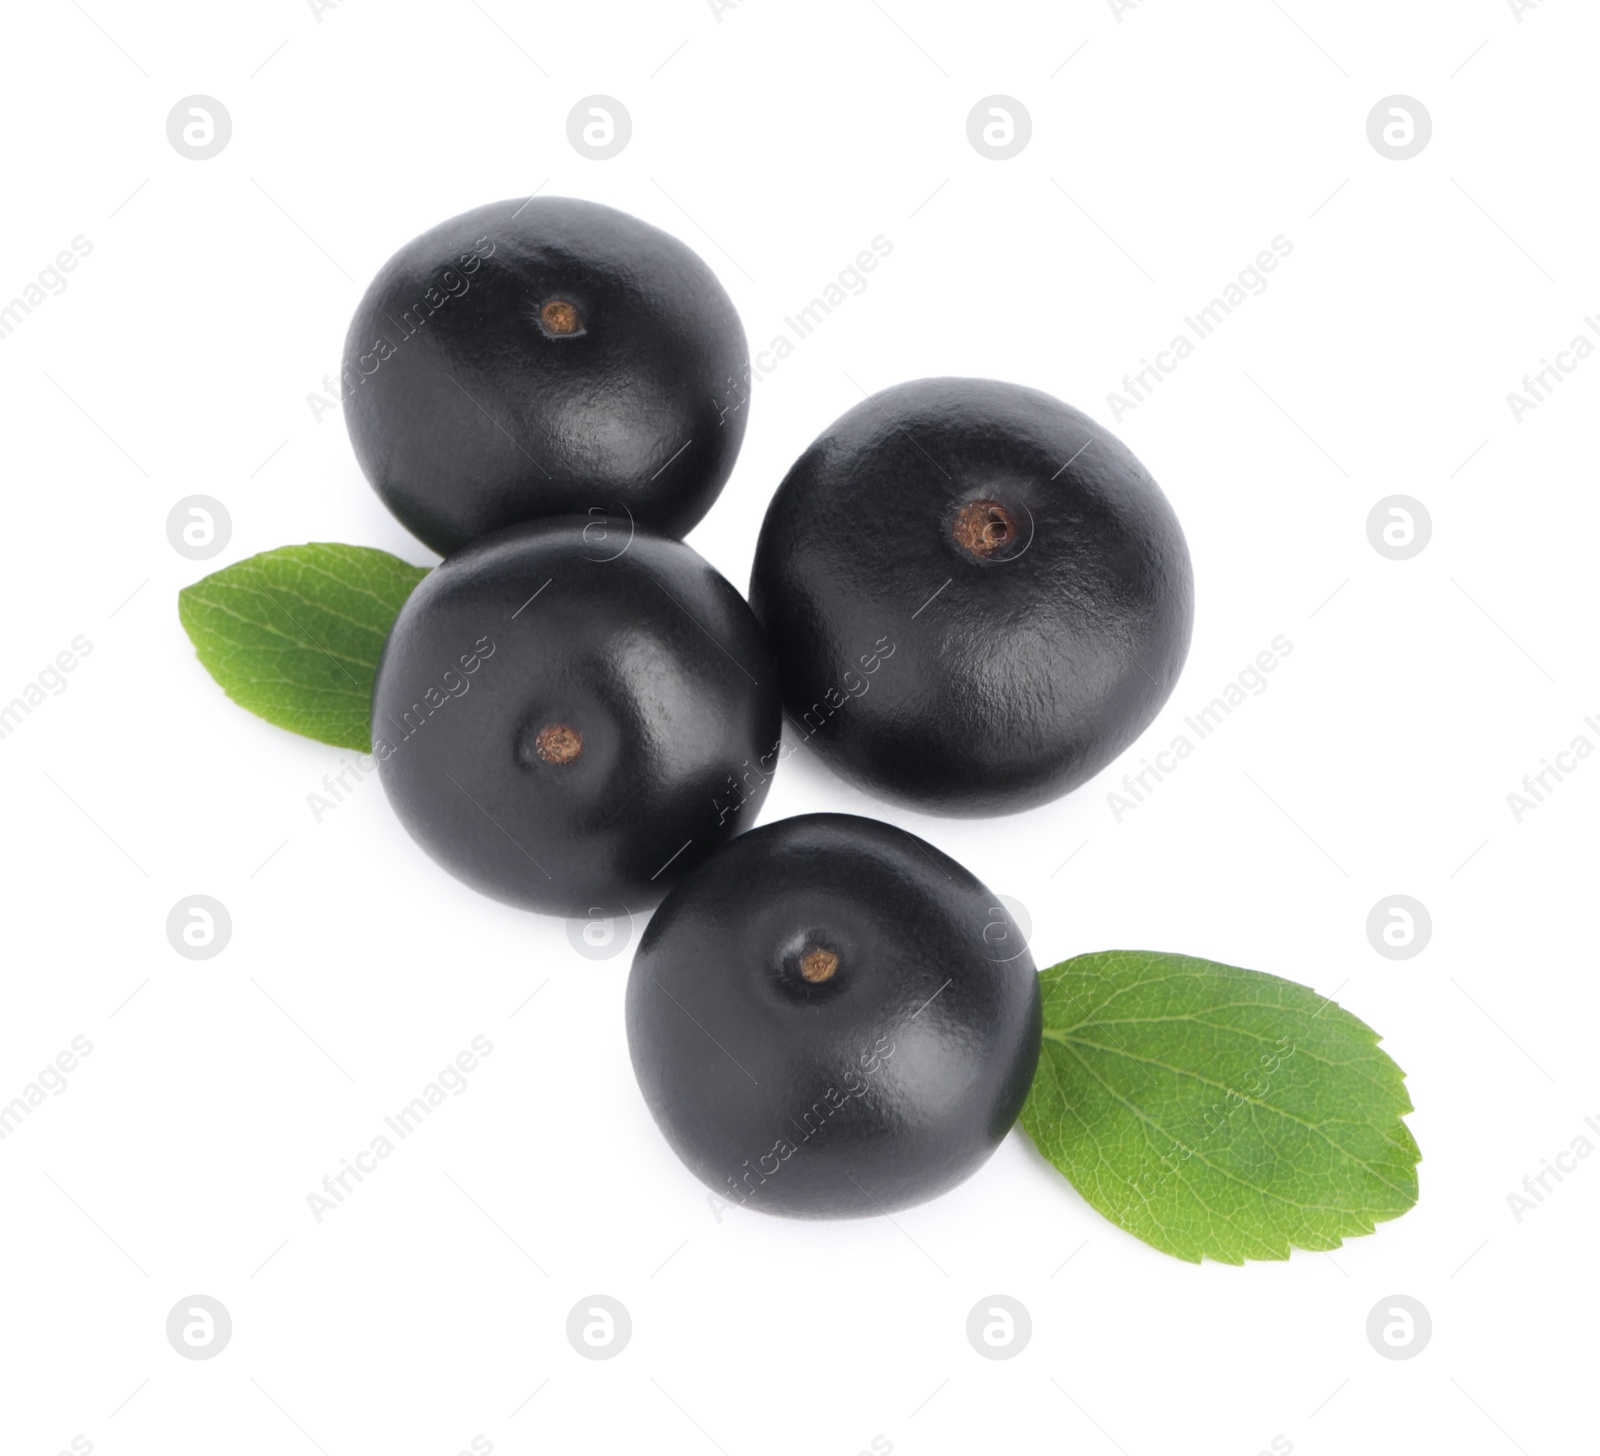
{"type": "Point", "coordinates": [1169, 146]}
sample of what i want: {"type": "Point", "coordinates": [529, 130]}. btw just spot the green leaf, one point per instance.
{"type": "Point", "coordinates": [295, 634]}
{"type": "Point", "coordinates": [1216, 1112]}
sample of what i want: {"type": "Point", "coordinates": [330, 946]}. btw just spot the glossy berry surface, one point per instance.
{"type": "Point", "coordinates": [539, 357]}
{"type": "Point", "coordinates": [977, 597]}
{"type": "Point", "coordinates": [569, 715]}
{"type": "Point", "coordinates": [832, 1019]}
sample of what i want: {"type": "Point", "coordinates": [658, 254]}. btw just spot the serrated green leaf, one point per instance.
{"type": "Point", "coordinates": [1216, 1112]}
{"type": "Point", "coordinates": [295, 634]}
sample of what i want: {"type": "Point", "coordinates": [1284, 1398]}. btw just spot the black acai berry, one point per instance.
{"type": "Point", "coordinates": [537, 357]}
{"type": "Point", "coordinates": [570, 714]}
{"type": "Point", "coordinates": [830, 1018]}
{"type": "Point", "coordinates": [976, 595]}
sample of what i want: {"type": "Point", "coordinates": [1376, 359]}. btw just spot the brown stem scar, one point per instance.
{"type": "Point", "coordinates": [983, 527]}
{"type": "Point", "coordinates": [818, 964]}
{"type": "Point", "coordinates": [558, 318]}
{"type": "Point", "coordinates": [557, 743]}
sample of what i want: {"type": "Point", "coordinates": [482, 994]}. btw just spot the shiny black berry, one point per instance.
{"type": "Point", "coordinates": [976, 595]}
{"type": "Point", "coordinates": [831, 1019]}
{"type": "Point", "coordinates": [570, 714]}
{"type": "Point", "coordinates": [543, 356]}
